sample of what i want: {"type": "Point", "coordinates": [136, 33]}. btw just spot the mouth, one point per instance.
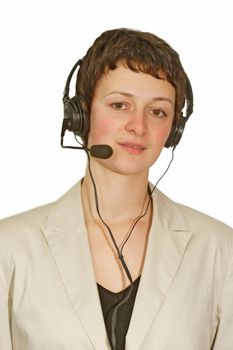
{"type": "Point", "coordinates": [134, 148]}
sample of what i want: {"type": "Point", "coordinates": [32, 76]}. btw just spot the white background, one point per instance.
{"type": "Point", "coordinates": [40, 42]}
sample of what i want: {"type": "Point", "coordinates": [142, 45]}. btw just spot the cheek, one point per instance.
{"type": "Point", "coordinates": [166, 132]}
{"type": "Point", "coordinates": [101, 127]}
{"type": "Point", "coordinates": [160, 136]}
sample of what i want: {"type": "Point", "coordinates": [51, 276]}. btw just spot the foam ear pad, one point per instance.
{"type": "Point", "coordinates": [77, 119]}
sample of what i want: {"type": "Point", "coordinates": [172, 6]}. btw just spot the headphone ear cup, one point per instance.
{"type": "Point", "coordinates": [176, 133]}
{"type": "Point", "coordinates": [169, 142]}
{"type": "Point", "coordinates": [178, 128]}
{"type": "Point", "coordinates": [77, 120]}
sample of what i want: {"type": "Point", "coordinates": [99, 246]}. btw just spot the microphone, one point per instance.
{"type": "Point", "coordinates": [100, 151]}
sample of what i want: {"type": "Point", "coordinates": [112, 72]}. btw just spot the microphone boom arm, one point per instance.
{"type": "Point", "coordinates": [98, 151]}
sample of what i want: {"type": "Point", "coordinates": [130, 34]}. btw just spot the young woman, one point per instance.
{"type": "Point", "coordinates": [114, 263]}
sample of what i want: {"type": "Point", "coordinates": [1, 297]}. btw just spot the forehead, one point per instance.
{"type": "Point", "coordinates": [135, 83]}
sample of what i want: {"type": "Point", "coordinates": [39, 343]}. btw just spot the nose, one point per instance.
{"type": "Point", "coordinates": [136, 123]}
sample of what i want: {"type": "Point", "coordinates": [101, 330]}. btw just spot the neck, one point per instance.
{"type": "Point", "coordinates": [121, 198]}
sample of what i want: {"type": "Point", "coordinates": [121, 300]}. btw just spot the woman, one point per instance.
{"type": "Point", "coordinates": [114, 263]}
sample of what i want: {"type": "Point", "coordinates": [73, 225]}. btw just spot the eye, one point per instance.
{"type": "Point", "coordinates": [119, 106]}
{"type": "Point", "coordinates": [159, 113]}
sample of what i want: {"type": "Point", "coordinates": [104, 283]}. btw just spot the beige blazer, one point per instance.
{"type": "Point", "coordinates": [48, 294]}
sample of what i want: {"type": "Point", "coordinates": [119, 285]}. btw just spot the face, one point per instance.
{"type": "Point", "coordinates": [133, 113]}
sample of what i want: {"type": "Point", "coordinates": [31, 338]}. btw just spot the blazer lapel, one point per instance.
{"type": "Point", "coordinates": [168, 239]}
{"type": "Point", "coordinates": [67, 238]}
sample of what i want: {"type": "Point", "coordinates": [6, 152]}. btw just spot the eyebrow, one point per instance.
{"type": "Point", "coordinates": [127, 94]}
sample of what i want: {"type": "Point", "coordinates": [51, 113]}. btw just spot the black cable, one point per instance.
{"type": "Point", "coordinates": [120, 251]}
{"type": "Point", "coordinates": [149, 200]}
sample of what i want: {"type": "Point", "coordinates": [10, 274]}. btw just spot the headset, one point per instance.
{"type": "Point", "coordinates": [77, 120]}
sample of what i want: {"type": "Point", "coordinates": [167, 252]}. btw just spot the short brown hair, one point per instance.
{"type": "Point", "coordinates": [139, 51]}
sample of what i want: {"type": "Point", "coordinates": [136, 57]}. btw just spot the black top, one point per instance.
{"type": "Point", "coordinates": [109, 300]}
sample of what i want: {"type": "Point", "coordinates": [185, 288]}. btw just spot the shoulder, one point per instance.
{"type": "Point", "coordinates": [34, 216]}
{"type": "Point", "coordinates": [22, 236]}
{"type": "Point", "coordinates": [17, 229]}
{"type": "Point", "coordinates": [28, 224]}
{"type": "Point", "coordinates": [196, 222]}
{"type": "Point", "coordinates": [209, 241]}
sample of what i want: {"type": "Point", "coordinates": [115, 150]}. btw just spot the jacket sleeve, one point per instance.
{"type": "Point", "coordinates": [6, 273]}
{"type": "Point", "coordinates": [224, 336]}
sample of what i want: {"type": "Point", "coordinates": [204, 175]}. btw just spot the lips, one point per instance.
{"type": "Point", "coordinates": [133, 147]}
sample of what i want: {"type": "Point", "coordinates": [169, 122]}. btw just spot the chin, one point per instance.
{"type": "Point", "coordinates": [130, 168]}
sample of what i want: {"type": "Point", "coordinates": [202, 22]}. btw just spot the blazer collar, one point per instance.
{"type": "Point", "coordinates": [168, 239]}
{"type": "Point", "coordinates": [66, 235]}
{"type": "Point", "coordinates": [67, 238]}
